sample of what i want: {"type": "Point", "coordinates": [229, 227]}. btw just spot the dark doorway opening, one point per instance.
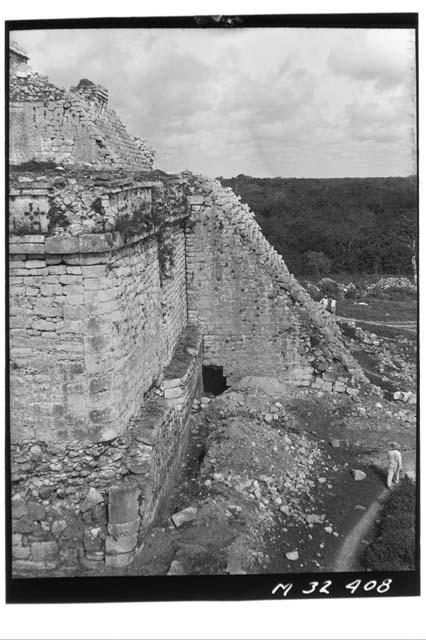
{"type": "Point", "coordinates": [214, 381]}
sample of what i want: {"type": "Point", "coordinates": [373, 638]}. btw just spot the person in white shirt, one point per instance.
{"type": "Point", "coordinates": [395, 464]}
{"type": "Point", "coordinates": [324, 303]}
{"type": "Point", "coordinates": [333, 305]}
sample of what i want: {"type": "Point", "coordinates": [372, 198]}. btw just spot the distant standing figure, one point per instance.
{"type": "Point", "coordinates": [333, 305]}
{"type": "Point", "coordinates": [324, 303]}
{"type": "Point", "coordinates": [395, 463]}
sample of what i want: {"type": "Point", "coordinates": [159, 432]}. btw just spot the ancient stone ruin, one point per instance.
{"type": "Point", "coordinates": [125, 282]}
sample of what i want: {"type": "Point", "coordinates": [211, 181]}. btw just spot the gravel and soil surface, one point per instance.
{"type": "Point", "coordinates": [269, 472]}
{"type": "Point", "coordinates": [268, 481]}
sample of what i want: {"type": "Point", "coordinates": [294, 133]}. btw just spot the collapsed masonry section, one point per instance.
{"type": "Point", "coordinates": [78, 506]}
{"type": "Point", "coordinates": [50, 124]}
{"type": "Point", "coordinates": [18, 58]}
{"type": "Point", "coordinates": [256, 318]}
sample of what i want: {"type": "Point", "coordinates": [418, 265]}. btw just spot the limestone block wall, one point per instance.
{"type": "Point", "coordinates": [84, 506]}
{"type": "Point", "coordinates": [48, 123]}
{"type": "Point", "coordinates": [18, 58]}
{"type": "Point", "coordinates": [255, 317]}
{"type": "Point", "coordinates": [92, 325]}
{"type": "Point", "coordinates": [76, 203]}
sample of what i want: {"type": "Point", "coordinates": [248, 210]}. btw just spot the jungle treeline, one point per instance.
{"type": "Point", "coordinates": [339, 225]}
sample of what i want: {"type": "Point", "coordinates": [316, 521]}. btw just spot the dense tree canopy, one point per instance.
{"type": "Point", "coordinates": [359, 224]}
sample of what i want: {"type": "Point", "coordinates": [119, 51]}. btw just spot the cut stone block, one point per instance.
{"type": "Point", "coordinates": [176, 569]}
{"type": "Point", "coordinates": [195, 200]}
{"type": "Point", "coordinates": [123, 503]}
{"type": "Point", "coordinates": [358, 474]}
{"type": "Point", "coordinates": [122, 544]}
{"type": "Point", "coordinates": [95, 242]}
{"type": "Point", "coordinates": [28, 565]}
{"type": "Point", "coordinates": [42, 551]}
{"type": "Point", "coordinates": [234, 567]}
{"type": "Point", "coordinates": [89, 562]}
{"type": "Point", "coordinates": [61, 245]}
{"type": "Point", "coordinates": [93, 498]}
{"type": "Point", "coordinates": [26, 239]}
{"type": "Point", "coordinates": [176, 392]}
{"type": "Point", "coordinates": [124, 529]}
{"type": "Point", "coordinates": [22, 553]}
{"type": "Point", "coordinates": [172, 382]}
{"type": "Point", "coordinates": [186, 515]}
{"type": "Point", "coordinates": [351, 391]}
{"type": "Point", "coordinates": [119, 561]}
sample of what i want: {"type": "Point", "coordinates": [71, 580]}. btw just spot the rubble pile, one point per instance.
{"type": "Point", "coordinates": [30, 86]}
{"type": "Point", "coordinates": [258, 470]}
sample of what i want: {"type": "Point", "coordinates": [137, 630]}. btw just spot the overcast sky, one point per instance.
{"type": "Point", "coordinates": [264, 102]}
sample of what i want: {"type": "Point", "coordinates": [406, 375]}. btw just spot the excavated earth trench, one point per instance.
{"type": "Point", "coordinates": [268, 481]}
{"type": "Point", "coordinates": [269, 484]}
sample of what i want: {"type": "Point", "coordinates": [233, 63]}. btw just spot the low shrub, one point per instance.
{"type": "Point", "coordinates": [329, 288]}
{"type": "Point", "coordinates": [394, 547]}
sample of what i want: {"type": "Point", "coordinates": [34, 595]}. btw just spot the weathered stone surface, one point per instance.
{"type": "Point", "coordinates": [93, 498]}
{"type": "Point", "coordinates": [61, 245]}
{"type": "Point", "coordinates": [176, 568]}
{"type": "Point", "coordinates": [19, 507]}
{"type": "Point", "coordinates": [124, 528]}
{"type": "Point", "coordinates": [22, 553]}
{"type": "Point", "coordinates": [352, 391]}
{"type": "Point", "coordinates": [95, 242]}
{"type": "Point", "coordinates": [36, 511]}
{"type": "Point", "coordinates": [121, 544]}
{"type": "Point", "coordinates": [98, 317]}
{"type": "Point", "coordinates": [234, 568]}
{"type": "Point", "coordinates": [123, 503]}
{"type": "Point", "coordinates": [139, 468]}
{"type": "Point", "coordinates": [43, 551]}
{"type": "Point", "coordinates": [186, 515]}
{"type": "Point", "coordinates": [119, 561]}
{"type": "Point", "coordinates": [176, 392]}
{"type": "Point", "coordinates": [358, 474]}
{"type": "Point", "coordinates": [146, 436]}
{"type": "Point", "coordinates": [172, 382]}
{"type": "Point", "coordinates": [58, 526]}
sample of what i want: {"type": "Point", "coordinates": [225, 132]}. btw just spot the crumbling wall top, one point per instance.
{"type": "Point", "coordinates": [28, 86]}
{"type": "Point", "coordinates": [18, 57]}
{"type": "Point", "coordinates": [96, 94]}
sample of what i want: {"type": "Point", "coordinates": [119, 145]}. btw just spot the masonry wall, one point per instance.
{"type": "Point", "coordinates": [255, 317]}
{"type": "Point", "coordinates": [250, 326]}
{"type": "Point", "coordinates": [74, 205]}
{"type": "Point", "coordinates": [80, 507]}
{"type": "Point", "coordinates": [90, 332]}
{"type": "Point", "coordinates": [48, 123]}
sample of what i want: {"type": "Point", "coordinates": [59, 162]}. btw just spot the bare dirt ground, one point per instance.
{"type": "Point", "coordinates": [268, 477]}
{"type": "Point", "coordinates": [269, 472]}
